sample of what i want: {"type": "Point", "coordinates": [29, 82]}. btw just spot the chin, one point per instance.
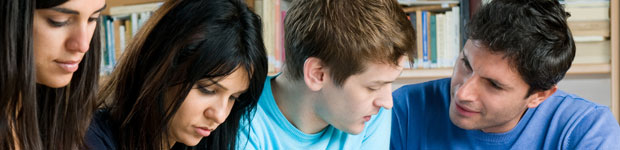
{"type": "Point", "coordinates": [191, 142]}
{"type": "Point", "coordinates": [355, 129]}
{"type": "Point", "coordinates": [461, 122]}
{"type": "Point", "coordinates": [56, 84]}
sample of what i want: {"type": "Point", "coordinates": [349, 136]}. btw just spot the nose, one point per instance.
{"type": "Point", "coordinates": [219, 110]}
{"type": "Point", "coordinates": [79, 39]}
{"type": "Point", "coordinates": [467, 90]}
{"type": "Point", "coordinates": [385, 98]}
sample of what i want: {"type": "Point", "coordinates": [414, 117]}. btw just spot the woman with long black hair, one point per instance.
{"type": "Point", "coordinates": [193, 71]}
{"type": "Point", "coordinates": [50, 70]}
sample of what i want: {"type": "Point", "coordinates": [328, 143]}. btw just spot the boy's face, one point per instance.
{"type": "Point", "coordinates": [349, 107]}
{"type": "Point", "coordinates": [486, 92]}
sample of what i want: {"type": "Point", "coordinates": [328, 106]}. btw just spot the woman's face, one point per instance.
{"type": "Point", "coordinates": [206, 106]}
{"type": "Point", "coordinates": [62, 36]}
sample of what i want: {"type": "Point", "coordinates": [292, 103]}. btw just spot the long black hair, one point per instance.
{"type": "Point", "coordinates": [185, 41]}
{"type": "Point", "coordinates": [18, 120]}
{"type": "Point", "coordinates": [65, 113]}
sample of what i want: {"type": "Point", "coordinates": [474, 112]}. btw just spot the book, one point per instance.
{"type": "Point", "coordinates": [419, 61]}
{"type": "Point", "coordinates": [433, 38]}
{"type": "Point", "coordinates": [590, 28]}
{"type": "Point", "coordinates": [587, 10]}
{"type": "Point", "coordinates": [425, 62]}
{"type": "Point", "coordinates": [596, 52]}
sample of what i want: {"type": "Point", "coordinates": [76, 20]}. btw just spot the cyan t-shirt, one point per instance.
{"type": "Point", "coordinates": [270, 130]}
{"type": "Point", "coordinates": [562, 121]}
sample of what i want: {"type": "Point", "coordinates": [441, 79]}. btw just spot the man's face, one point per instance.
{"type": "Point", "coordinates": [486, 92]}
{"type": "Point", "coordinates": [349, 107]}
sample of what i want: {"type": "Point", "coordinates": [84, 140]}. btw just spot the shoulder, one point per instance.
{"type": "Point", "coordinates": [434, 93]}
{"type": "Point", "coordinates": [567, 104]}
{"type": "Point", "coordinates": [588, 125]}
{"type": "Point", "coordinates": [100, 133]}
{"type": "Point", "coordinates": [434, 86]}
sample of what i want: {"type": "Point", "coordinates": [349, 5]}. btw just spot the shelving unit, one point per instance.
{"type": "Point", "coordinates": [612, 69]}
{"type": "Point", "coordinates": [615, 58]}
{"type": "Point", "coordinates": [576, 69]}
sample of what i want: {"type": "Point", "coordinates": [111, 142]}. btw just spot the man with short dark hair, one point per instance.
{"type": "Point", "coordinates": [503, 92]}
{"type": "Point", "coordinates": [335, 89]}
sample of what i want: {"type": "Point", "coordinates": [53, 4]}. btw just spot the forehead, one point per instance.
{"type": "Point", "coordinates": [237, 81]}
{"type": "Point", "coordinates": [493, 65]}
{"type": "Point", "coordinates": [84, 7]}
{"type": "Point", "coordinates": [377, 72]}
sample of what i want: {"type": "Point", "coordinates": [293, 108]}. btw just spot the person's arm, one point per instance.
{"type": "Point", "coordinates": [598, 129]}
{"type": "Point", "coordinates": [377, 136]}
{"type": "Point", "coordinates": [399, 117]}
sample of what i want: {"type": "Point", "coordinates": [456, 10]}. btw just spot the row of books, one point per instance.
{"type": "Point", "coordinates": [590, 25]}
{"type": "Point", "coordinates": [438, 38]}
{"type": "Point", "coordinates": [117, 28]}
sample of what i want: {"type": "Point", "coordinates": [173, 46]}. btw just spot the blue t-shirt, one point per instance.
{"type": "Point", "coordinates": [563, 121]}
{"type": "Point", "coordinates": [270, 130]}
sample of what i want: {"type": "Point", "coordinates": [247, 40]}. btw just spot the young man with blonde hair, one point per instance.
{"type": "Point", "coordinates": [335, 88]}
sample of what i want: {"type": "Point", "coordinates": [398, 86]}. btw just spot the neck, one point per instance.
{"type": "Point", "coordinates": [297, 103]}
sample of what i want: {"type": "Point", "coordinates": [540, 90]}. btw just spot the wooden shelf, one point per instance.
{"type": "Point", "coordinates": [426, 73]}
{"type": "Point", "coordinates": [615, 58]}
{"type": "Point", "coordinates": [590, 69]}
{"type": "Point", "coordinates": [447, 72]}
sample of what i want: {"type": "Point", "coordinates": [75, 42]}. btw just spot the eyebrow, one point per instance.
{"type": "Point", "coordinates": [500, 84]}
{"type": "Point", "coordinates": [382, 82]}
{"type": "Point", "coordinates": [74, 12]}
{"type": "Point", "coordinates": [221, 86]}
{"type": "Point", "coordinates": [496, 82]}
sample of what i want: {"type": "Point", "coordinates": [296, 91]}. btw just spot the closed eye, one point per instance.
{"type": "Point", "coordinates": [57, 23]}
{"type": "Point", "coordinates": [466, 62]}
{"type": "Point", "coordinates": [93, 19]}
{"type": "Point", "coordinates": [205, 90]}
{"type": "Point", "coordinates": [235, 98]}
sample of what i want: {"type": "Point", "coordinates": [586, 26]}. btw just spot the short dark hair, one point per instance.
{"type": "Point", "coordinates": [346, 35]}
{"type": "Point", "coordinates": [532, 34]}
{"type": "Point", "coordinates": [184, 42]}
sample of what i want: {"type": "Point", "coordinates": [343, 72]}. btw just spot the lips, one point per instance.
{"type": "Point", "coordinates": [465, 111]}
{"type": "Point", "coordinates": [202, 131]}
{"type": "Point", "coordinates": [68, 66]}
{"type": "Point", "coordinates": [367, 118]}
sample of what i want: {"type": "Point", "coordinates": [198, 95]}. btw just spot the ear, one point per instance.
{"type": "Point", "coordinates": [539, 97]}
{"type": "Point", "coordinates": [314, 73]}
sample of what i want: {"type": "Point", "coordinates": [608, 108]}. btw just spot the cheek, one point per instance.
{"type": "Point", "coordinates": [48, 42]}
{"type": "Point", "coordinates": [358, 99]}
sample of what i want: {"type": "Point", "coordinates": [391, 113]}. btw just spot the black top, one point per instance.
{"type": "Point", "coordinates": [100, 135]}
